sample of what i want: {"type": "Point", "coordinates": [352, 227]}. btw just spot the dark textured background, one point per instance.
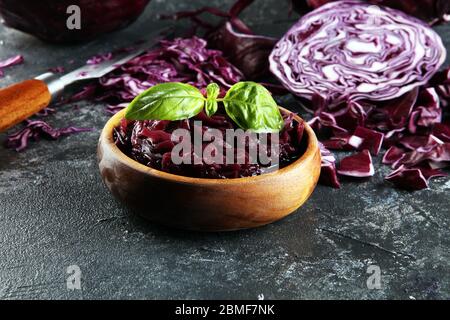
{"type": "Point", "coordinates": [55, 212]}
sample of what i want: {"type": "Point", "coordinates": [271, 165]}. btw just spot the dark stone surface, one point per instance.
{"type": "Point", "coordinates": [55, 212]}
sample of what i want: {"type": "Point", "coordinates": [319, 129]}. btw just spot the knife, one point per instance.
{"type": "Point", "coordinates": [21, 100]}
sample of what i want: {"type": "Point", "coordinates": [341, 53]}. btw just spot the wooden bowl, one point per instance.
{"type": "Point", "coordinates": [207, 204]}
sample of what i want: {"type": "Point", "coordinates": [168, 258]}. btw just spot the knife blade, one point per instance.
{"type": "Point", "coordinates": [21, 100]}
{"type": "Point", "coordinates": [57, 83]}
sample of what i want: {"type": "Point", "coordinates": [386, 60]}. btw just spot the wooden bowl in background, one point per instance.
{"type": "Point", "coordinates": [207, 204]}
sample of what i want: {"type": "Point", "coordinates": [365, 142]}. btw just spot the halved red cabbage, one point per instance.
{"type": "Point", "coordinates": [18, 59]}
{"type": "Point", "coordinates": [357, 165]}
{"type": "Point", "coordinates": [349, 51]}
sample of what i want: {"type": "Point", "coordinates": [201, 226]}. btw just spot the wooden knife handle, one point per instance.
{"type": "Point", "coordinates": [21, 100]}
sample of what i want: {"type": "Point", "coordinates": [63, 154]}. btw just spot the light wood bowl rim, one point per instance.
{"type": "Point", "coordinates": [107, 138]}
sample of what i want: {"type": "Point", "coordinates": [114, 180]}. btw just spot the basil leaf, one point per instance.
{"type": "Point", "coordinates": [166, 101]}
{"type": "Point", "coordinates": [252, 107]}
{"type": "Point", "coordinates": [212, 92]}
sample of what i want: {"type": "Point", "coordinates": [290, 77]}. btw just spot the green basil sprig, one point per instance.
{"type": "Point", "coordinates": [252, 107]}
{"type": "Point", "coordinates": [166, 101]}
{"type": "Point", "coordinates": [248, 104]}
{"type": "Point", "coordinates": [212, 92]}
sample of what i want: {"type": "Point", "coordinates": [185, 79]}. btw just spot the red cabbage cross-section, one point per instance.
{"type": "Point", "coordinates": [349, 50]}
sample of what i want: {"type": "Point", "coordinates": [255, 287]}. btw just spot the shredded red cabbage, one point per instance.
{"type": "Point", "coordinates": [184, 60]}
{"type": "Point", "coordinates": [18, 59]}
{"type": "Point", "coordinates": [35, 130]}
{"type": "Point", "coordinates": [149, 142]}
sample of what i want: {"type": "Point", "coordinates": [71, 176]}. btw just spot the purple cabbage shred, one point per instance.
{"type": "Point", "coordinates": [18, 59]}
{"type": "Point", "coordinates": [149, 142]}
{"type": "Point", "coordinates": [35, 130]}
{"type": "Point", "coordinates": [179, 60]}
